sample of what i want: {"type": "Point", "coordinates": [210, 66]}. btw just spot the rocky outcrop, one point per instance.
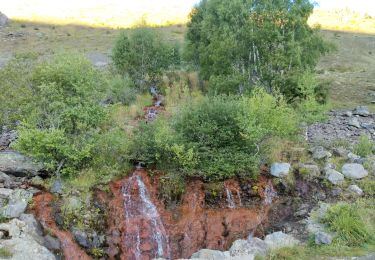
{"type": "Point", "coordinates": [348, 125]}
{"type": "Point", "coordinates": [19, 165]}
{"type": "Point", "coordinates": [21, 242]}
{"type": "Point", "coordinates": [6, 138]}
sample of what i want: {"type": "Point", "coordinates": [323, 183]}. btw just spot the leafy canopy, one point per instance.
{"type": "Point", "coordinates": [254, 42]}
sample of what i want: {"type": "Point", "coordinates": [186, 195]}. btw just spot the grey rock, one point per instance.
{"type": "Point", "coordinates": [32, 224]}
{"type": "Point", "coordinates": [310, 169]}
{"type": "Point", "coordinates": [361, 111]}
{"type": "Point", "coordinates": [323, 238]}
{"type": "Point", "coordinates": [348, 113]}
{"type": "Point", "coordinates": [354, 171]}
{"type": "Point", "coordinates": [353, 157]}
{"type": "Point", "coordinates": [52, 243]}
{"type": "Point", "coordinates": [355, 189]}
{"type": "Point", "coordinates": [208, 254]}
{"type": "Point", "coordinates": [279, 240]}
{"type": "Point", "coordinates": [280, 169]}
{"type": "Point", "coordinates": [5, 179]}
{"type": "Point", "coordinates": [21, 242]}
{"type": "Point", "coordinates": [14, 210]}
{"type": "Point", "coordinates": [57, 186]}
{"type": "Point", "coordinates": [336, 192]}
{"type": "Point", "coordinates": [17, 203]}
{"type": "Point", "coordinates": [334, 176]}
{"type": "Point", "coordinates": [368, 126]}
{"type": "Point", "coordinates": [5, 193]}
{"type": "Point", "coordinates": [81, 238]}
{"type": "Point", "coordinates": [319, 153]}
{"type": "Point", "coordinates": [3, 20]}
{"type": "Point", "coordinates": [340, 151]}
{"type": "Point", "coordinates": [251, 246]}
{"type": "Point", "coordinates": [354, 122]}
{"type": "Point", "coordinates": [6, 138]}
{"type": "Point", "coordinates": [18, 165]}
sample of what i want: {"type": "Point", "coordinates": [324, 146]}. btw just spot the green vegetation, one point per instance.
{"type": "Point", "coordinates": [270, 45]}
{"type": "Point", "coordinates": [143, 55]}
{"type": "Point", "coordinates": [5, 253]}
{"type": "Point", "coordinates": [347, 222]}
{"type": "Point", "coordinates": [354, 226]}
{"type": "Point", "coordinates": [67, 92]}
{"type": "Point", "coordinates": [215, 137]}
{"type": "Point", "coordinates": [364, 147]}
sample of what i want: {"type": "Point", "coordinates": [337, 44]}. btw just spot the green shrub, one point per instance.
{"type": "Point", "coordinates": [67, 115]}
{"type": "Point", "coordinates": [346, 220]}
{"type": "Point", "coordinates": [121, 90]}
{"type": "Point", "coordinates": [311, 111]}
{"type": "Point", "coordinates": [53, 147]}
{"type": "Point", "coordinates": [143, 55]}
{"type": "Point", "coordinates": [111, 152]}
{"type": "Point", "coordinates": [364, 147]}
{"type": "Point", "coordinates": [214, 137]}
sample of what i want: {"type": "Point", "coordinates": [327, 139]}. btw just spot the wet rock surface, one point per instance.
{"type": "Point", "coordinates": [187, 229]}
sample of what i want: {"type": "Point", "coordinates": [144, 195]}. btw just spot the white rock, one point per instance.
{"type": "Point", "coordinates": [279, 240]}
{"type": "Point", "coordinates": [354, 171]}
{"type": "Point", "coordinates": [252, 246]}
{"type": "Point", "coordinates": [355, 189]}
{"type": "Point", "coordinates": [280, 169]}
{"type": "Point", "coordinates": [354, 122]}
{"type": "Point", "coordinates": [334, 176]}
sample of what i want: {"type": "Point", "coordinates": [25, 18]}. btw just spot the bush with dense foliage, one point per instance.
{"type": "Point", "coordinates": [143, 55]}
{"type": "Point", "coordinates": [250, 42]}
{"type": "Point", "coordinates": [67, 113]}
{"type": "Point", "coordinates": [215, 137]}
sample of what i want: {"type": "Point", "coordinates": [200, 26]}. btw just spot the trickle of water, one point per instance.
{"type": "Point", "coordinates": [140, 209]}
{"type": "Point", "coordinates": [230, 200]}
{"type": "Point", "coordinates": [239, 198]}
{"type": "Point", "coordinates": [269, 194]}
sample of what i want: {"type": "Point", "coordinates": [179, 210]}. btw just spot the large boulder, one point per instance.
{"type": "Point", "coordinates": [279, 240]}
{"type": "Point", "coordinates": [19, 165]}
{"type": "Point", "coordinates": [354, 171]}
{"type": "Point", "coordinates": [209, 254]}
{"type": "Point", "coordinates": [17, 203]}
{"type": "Point", "coordinates": [21, 243]}
{"type": "Point", "coordinates": [3, 20]}
{"type": "Point", "coordinates": [280, 169]}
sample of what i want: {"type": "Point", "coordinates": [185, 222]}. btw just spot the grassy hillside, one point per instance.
{"type": "Point", "coordinates": [112, 13]}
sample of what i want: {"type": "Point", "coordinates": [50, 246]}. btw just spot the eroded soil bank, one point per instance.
{"type": "Point", "coordinates": [140, 226]}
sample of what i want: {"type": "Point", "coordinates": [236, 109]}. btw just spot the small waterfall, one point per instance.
{"type": "Point", "coordinates": [140, 214]}
{"type": "Point", "coordinates": [239, 198]}
{"type": "Point", "coordinates": [269, 194]}
{"type": "Point", "coordinates": [231, 203]}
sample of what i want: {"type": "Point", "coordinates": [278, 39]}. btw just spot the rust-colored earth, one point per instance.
{"type": "Point", "coordinates": [43, 210]}
{"type": "Point", "coordinates": [191, 227]}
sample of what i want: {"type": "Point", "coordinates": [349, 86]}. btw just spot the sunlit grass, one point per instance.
{"type": "Point", "coordinates": [343, 20]}
{"type": "Point", "coordinates": [96, 13]}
